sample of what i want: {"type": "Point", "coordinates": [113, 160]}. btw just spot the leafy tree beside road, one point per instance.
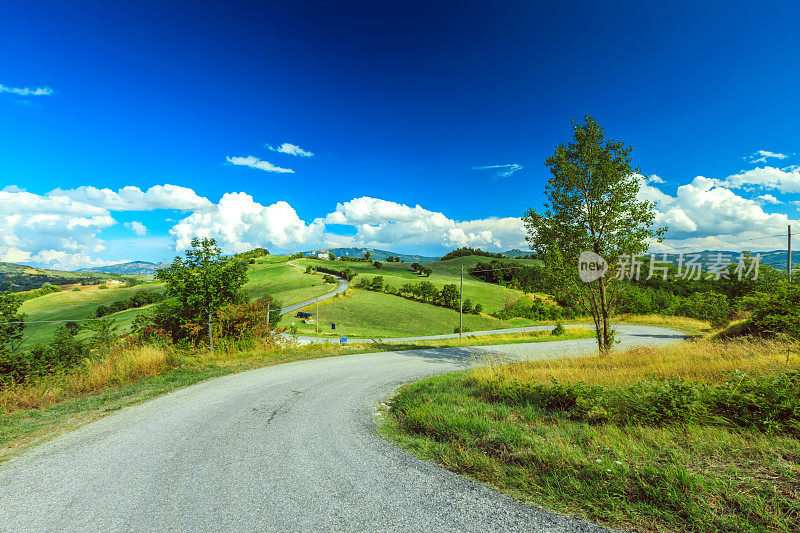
{"type": "Point", "coordinates": [197, 286]}
{"type": "Point", "coordinates": [593, 205]}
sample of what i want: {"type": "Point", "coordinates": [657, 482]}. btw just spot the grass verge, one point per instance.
{"type": "Point", "coordinates": [678, 438]}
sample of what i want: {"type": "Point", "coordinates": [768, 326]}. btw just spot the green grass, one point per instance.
{"type": "Point", "coordinates": [286, 283]}
{"type": "Point", "coordinates": [492, 297]}
{"type": "Point", "coordinates": [270, 275]}
{"type": "Point", "coordinates": [69, 305]}
{"type": "Point", "coordinates": [512, 427]}
{"type": "Point", "coordinates": [367, 314]}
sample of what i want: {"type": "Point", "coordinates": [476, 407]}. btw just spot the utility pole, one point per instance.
{"type": "Point", "coordinates": [461, 306]}
{"type": "Point", "coordinates": [334, 312]}
{"type": "Point", "coordinates": [789, 256]}
{"type": "Point", "coordinates": [268, 306]}
{"type": "Point", "coordinates": [210, 336]}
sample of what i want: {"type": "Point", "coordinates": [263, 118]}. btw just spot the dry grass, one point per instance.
{"type": "Point", "coordinates": [690, 326]}
{"type": "Point", "coordinates": [120, 366]}
{"type": "Point", "coordinates": [698, 360]}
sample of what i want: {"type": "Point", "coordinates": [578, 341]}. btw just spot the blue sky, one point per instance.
{"type": "Point", "coordinates": [428, 121]}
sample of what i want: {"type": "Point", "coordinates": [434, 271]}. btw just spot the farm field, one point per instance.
{"type": "Point", "coordinates": [492, 297]}
{"type": "Point", "coordinates": [366, 314]}
{"type": "Point", "coordinates": [270, 275]}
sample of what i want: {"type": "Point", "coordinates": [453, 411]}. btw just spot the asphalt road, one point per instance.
{"type": "Point", "coordinates": [291, 447]}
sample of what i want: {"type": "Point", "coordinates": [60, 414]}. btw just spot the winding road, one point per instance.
{"type": "Point", "coordinates": [339, 289]}
{"type": "Point", "coordinates": [291, 447]}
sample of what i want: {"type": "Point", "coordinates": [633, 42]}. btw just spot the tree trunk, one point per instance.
{"type": "Point", "coordinates": [605, 346]}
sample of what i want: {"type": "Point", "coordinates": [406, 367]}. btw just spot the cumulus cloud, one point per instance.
{"type": "Point", "coordinates": [291, 149]}
{"type": "Point", "coordinates": [706, 215]}
{"type": "Point", "coordinates": [25, 91]}
{"type": "Point", "coordinates": [137, 227]}
{"type": "Point", "coordinates": [501, 171]}
{"type": "Point", "coordinates": [385, 223]}
{"type": "Point", "coordinates": [134, 199]}
{"type": "Point", "coordinates": [785, 180]}
{"type": "Point", "coordinates": [254, 162]}
{"type": "Point", "coordinates": [53, 230]}
{"type": "Point", "coordinates": [62, 229]}
{"type": "Point", "coordinates": [761, 156]}
{"type": "Point", "coordinates": [239, 223]}
{"type": "Point", "coordinates": [769, 199]}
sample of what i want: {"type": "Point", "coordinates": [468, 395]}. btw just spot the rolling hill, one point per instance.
{"type": "Point", "coordinates": [377, 255]}
{"type": "Point", "coordinates": [134, 267]}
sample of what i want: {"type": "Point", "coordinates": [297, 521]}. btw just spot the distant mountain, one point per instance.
{"type": "Point", "coordinates": [775, 259]}
{"type": "Point", "coordinates": [516, 253]}
{"type": "Point", "coordinates": [377, 255]}
{"type": "Point", "coordinates": [134, 267]}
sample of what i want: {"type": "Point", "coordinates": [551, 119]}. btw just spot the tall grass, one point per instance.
{"type": "Point", "coordinates": [699, 360]}
{"type": "Point", "coordinates": [697, 436]}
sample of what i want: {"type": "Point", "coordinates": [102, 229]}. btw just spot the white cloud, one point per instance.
{"type": "Point", "coordinates": [291, 149]}
{"type": "Point", "coordinates": [503, 171]}
{"type": "Point", "coordinates": [239, 223]}
{"type": "Point", "coordinates": [653, 178]}
{"type": "Point", "coordinates": [785, 180]}
{"type": "Point", "coordinates": [705, 215]}
{"type": "Point", "coordinates": [137, 227]}
{"type": "Point", "coordinates": [25, 91]}
{"type": "Point", "coordinates": [390, 224]}
{"type": "Point", "coordinates": [763, 155]}
{"type": "Point", "coordinates": [53, 230]}
{"type": "Point", "coordinates": [254, 162]}
{"type": "Point", "coordinates": [134, 199]}
{"type": "Point", "coordinates": [769, 199]}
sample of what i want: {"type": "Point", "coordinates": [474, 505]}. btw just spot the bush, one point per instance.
{"type": "Point", "coordinates": [63, 352]}
{"type": "Point", "coordinates": [35, 293]}
{"type": "Point", "coordinates": [377, 264]}
{"type": "Point", "coordinates": [775, 313]}
{"type": "Point", "coordinates": [558, 330]}
{"type": "Point", "coordinates": [766, 403]}
{"type": "Point", "coordinates": [327, 278]}
{"type": "Point", "coordinates": [246, 320]}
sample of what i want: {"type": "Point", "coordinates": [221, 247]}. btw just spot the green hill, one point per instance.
{"type": "Point", "coordinates": [269, 275]}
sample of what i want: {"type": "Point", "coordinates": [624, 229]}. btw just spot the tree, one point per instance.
{"type": "Point", "coordinates": [592, 205]}
{"type": "Point", "coordinates": [377, 264]}
{"type": "Point", "coordinates": [449, 297]}
{"type": "Point", "coordinates": [367, 256]}
{"type": "Point", "coordinates": [12, 323]}
{"type": "Point", "coordinates": [197, 286]}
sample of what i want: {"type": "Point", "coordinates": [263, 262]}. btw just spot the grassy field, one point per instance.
{"type": "Point", "coordinates": [656, 439]}
{"type": "Point", "coordinates": [286, 283]}
{"type": "Point", "coordinates": [492, 297]}
{"type": "Point", "coordinates": [69, 305]}
{"type": "Point", "coordinates": [270, 275]}
{"type": "Point", "coordinates": [368, 314]}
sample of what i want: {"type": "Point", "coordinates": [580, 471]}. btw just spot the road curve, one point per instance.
{"type": "Point", "coordinates": [339, 289]}
{"type": "Point", "coordinates": [291, 447]}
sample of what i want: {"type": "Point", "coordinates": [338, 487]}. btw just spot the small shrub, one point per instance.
{"type": "Point", "coordinates": [558, 330]}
